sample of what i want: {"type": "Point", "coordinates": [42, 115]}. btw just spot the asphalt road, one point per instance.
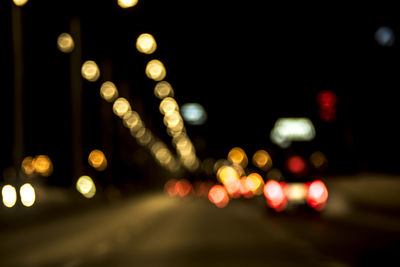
{"type": "Point", "coordinates": [156, 230]}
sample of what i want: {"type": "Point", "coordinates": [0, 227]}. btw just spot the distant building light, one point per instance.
{"type": "Point", "coordinates": [287, 130]}
{"type": "Point", "coordinates": [384, 36]}
{"type": "Point", "coordinates": [194, 113]}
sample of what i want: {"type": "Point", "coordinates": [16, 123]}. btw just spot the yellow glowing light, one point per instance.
{"type": "Point", "coordinates": [168, 105]}
{"type": "Point", "coordinates": [262, 160]}
{"type": "Point", "coordinates": [97, 160]}
{"type": "Point", "coordinates": [146, 44]}
{"type": "Point", "coordinates": [121, 107]}
{"type": "Point", "coordinates": [296, 191]}
{"type": "Point", "coordinates": [20, 2]}
{"type": "Point", "coordinates": [27, 194]}
{"type": "Point", "coordinates": [42, 165]}
{"type": "Point", "coordinates": [127, 3]}
{"type": "Point", "coordinates": [108, 91]}
{"type": "Point", "coordinates": [155, 70]}
{"type": "Point", "coordinates": [255, 183]}
{"type": "Point", "coordinates": [227, 174]}
{"type": "Point", "coordinates": [238, 156]}
{"type": "Point", "coordinates": [163, 89]}
{"type": "Point", "coordinates": [9, 195]}
{"type": "Point", "coordinates": [145, 139]}
{"type": "Point", "coordinates": [27, 166]}
{"type": "Point", "coordinates": [65, 43]}
{"type": "Point", "coordinates": [132, 120]}
{"type": "Point", "coordinates": [90, 71]}
{"type": "Point", "coordinates": [172, 119]}
{"type": "Point", "coordinates": [318, 160]}
{"type": "Point", "coordinates": [86, 186]}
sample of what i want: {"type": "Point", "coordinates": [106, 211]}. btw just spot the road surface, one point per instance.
{"type": "Point", "coordinates": [155, 230]}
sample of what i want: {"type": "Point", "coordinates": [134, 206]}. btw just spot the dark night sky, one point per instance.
{"type": "Point", "coordinates": [269, 61]}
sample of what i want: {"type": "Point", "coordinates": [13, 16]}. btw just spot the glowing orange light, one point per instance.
{"type": "Point", "coordinates": [169, 187]}
{"type": "Point", "coordinates": [97, 160]}
{"type": "Point", "coordinates": [296, 165]}
{"type": "Point", "coordinates": [238, 156]}
{"type": "Point", "coordinates": [218, 196]}
{"type": "Point", "coordinates": [262, 160]}
{"type": "Point", "coordinates": [227, 174]}
{"type": "Point", "coordinates": [317, 194]}
{"type": "Point", "coordinates": [43, 165]}
{"type": "Point", "coordinates": [27, 166]}
{"type": "Point", "coordinates": [183, 187]}
{"type": "Point", "coordinates": [244, 188]}
{"type": "Point", "coordinates": [255, 183]}
{"type": "Point", "coordinates": [275, 196]}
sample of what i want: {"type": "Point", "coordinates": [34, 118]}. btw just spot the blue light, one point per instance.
{"type": "Point", "coordinates": [194, 113]}
{"type": "Point", "coordinates": [384, 36]}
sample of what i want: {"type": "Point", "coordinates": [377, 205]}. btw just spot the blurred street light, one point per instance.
{"type": "Point", "coordinates": [20, 2]}
{"type": "Point", "coordinates": [194, 113]}
{"type": "Point", "coordinates": [97, 160]}
{"type": "Point", "coordinates": [86, 186]}
{"type": "Point", "coordinates": [65, 43]}
{"type": "Point", "coordinates": [108, 91]}
{"type": "Point", "coordinates": [155, 70]}
{"type": "Point", "coordinates": [121, 107]}
{"type": "Point", "coordinates": [90, 71]}
{"type": "Point", "coordinates": [127, 3]}
{"type": "Point", "coordinates": [163, 89]}
{"type": "Point", "coordinates": [146, 44]}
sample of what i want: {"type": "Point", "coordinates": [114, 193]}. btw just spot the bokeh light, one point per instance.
{"type": "Point", "coordinates": [127, 3]}
{"type": "Point", "coordinates": [20, 2]}
{"type": "Point", "coordinates": [227, 174]}
{"type": "Point", "coordinates": [169, 187]}
{"type": "Point", "coordinates": [9, 195]}
{"type": "Point", "coordinates": [218, 196]}
{"type": "Point", "coordinates": [146, 43]}
{"type": "Point", "coordinates": [97, 160]}
{"type": "Point", "coordinates": [255, 183]}
{"type": "Point", "coordinates": [155, 70]}
{"type": "Point", "coordinates": [90, 71]}
{"type": "Point", "coordinates": [163, 89]}
{"type": "Point", "coordinates": [183, 188]}
{"type": "Point", "coordinates": [385, 36]}
{"type": "Point", "coordinates": [86, 186]}
{"type": "Point", "coordinates": [108, 91]}
{"type": "Point", "coordinates": [43, 165]}
{"type": "Point", "coordinates": [287, 130]}
{"type": "Point", "coordinates": [27, 194]}
{"type": "Point", "coordinates": [318, 160]}
{"type": "Point", "coordinates": [121, 107]}
{"type": "Point", "coordinates": [27, 166]}
{"type": "Point", "coordinates": [275, 195]}
{"type": "Point", "coordinates": [168, 105]}
{"type": "Point", "coordinates": [262, 160]}
{"type": "Point", "coordinates": [65, 43]}
{"type": "Point", "coordinates": [317, 195]}
{"type": "Point", "coordinates": [194, 113]}
{"type": "Point", "coordinates": [296, 165]}
{"type": "Point", "coordinates": [238, 156]}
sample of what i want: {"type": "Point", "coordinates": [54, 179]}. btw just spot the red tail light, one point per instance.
{"type": "Point", "coordinates": [275, 195]}
{"type": "Point", "coordinates": [317, 195]}
{"type": "Point", "coordinates": [218, 196]}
